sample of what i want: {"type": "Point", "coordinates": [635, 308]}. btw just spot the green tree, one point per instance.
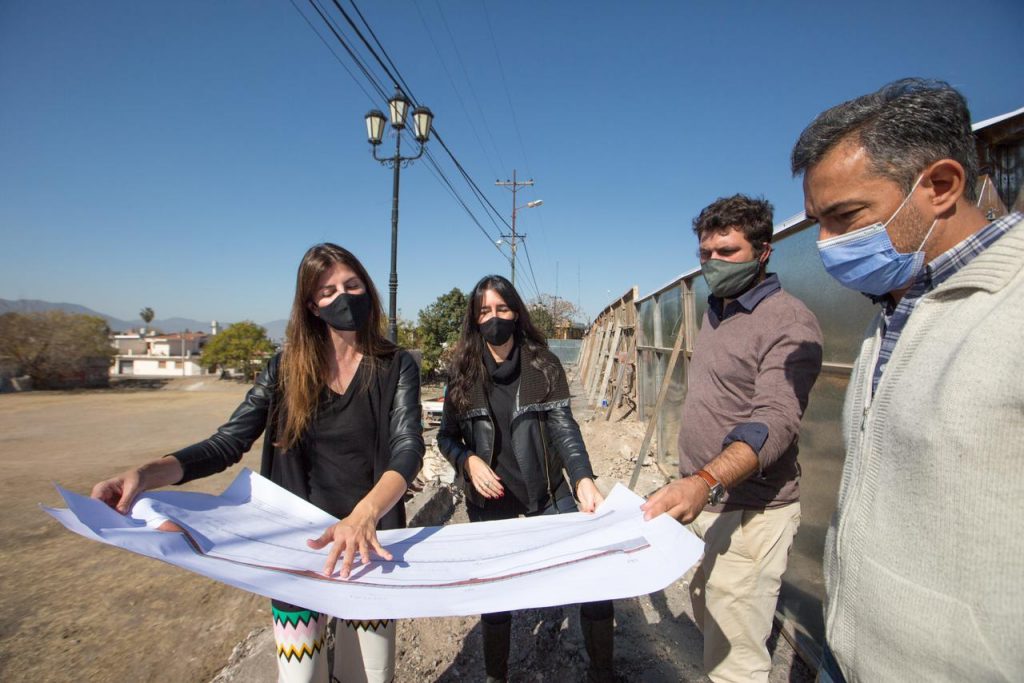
{"type": "Point", "coordinates": [550, 312]}
{"type": "Point", "coordinates": [243, 346]}
{"type": "Point", "coordinates": [407, 334]}
{"type": "Point", "coordinates": [55, 348]}
{"type": "Point", "coordinates": [147, 315]}
{"type": "Point", "coordinates": [439, 326]}
{"type": "Point", "coordinates": [542, 320]}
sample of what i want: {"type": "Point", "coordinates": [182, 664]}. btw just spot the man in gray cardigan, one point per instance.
{"type": "Point", "coordinates": [924, 556]}
{"type": "Point", "coordinates": [755, 360]}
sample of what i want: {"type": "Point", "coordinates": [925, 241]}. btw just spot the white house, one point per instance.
{"type": "Point", "coordinates": [151, 355]}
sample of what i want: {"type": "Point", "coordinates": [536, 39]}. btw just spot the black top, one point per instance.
{"type": "Point", "coordinates": [501, 395]}
{"type": "Point", "coordinates": [396, 433]}
{"type": "Point", "coordinates": [338, 447]}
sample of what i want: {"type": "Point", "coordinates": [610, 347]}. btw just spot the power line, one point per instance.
{"type": "Point", "coordinates": [359, 34]}
{"type": "Point", "coordinates": [355, 58]}
{"type": "Point", "coordinates": [337, 57]}
{"type": "Point", "coordinates": [529, 262]}
{"type": "Point", "coordinates": [472, 92]}
{"type": "Point", "coordinates": [397, 79]}
{"type": "Point", "coordinates": [504, 83]}
{"type": "Point", "coordinates": [441, 177]}
{"type": "Point", "coordinates": [455, 89]}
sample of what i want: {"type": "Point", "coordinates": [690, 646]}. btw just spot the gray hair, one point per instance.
{"type": "Point", "coordinates": [904, 126]}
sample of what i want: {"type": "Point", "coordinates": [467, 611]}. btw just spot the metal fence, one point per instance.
{"type": "Point", "coordinates": [567, 350]}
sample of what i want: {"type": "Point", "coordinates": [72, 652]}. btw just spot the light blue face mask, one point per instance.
{"type": "Point", "coordinates": [866, 260]}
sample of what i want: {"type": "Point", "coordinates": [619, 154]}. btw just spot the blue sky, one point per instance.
{"type": "Point", "coordinates": [184, 155]}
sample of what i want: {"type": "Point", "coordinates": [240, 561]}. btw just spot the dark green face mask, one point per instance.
{"type": "Point", "coordinates": [726, 279]}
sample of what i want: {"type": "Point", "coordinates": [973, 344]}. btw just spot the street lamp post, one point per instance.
{"type": "Point", "coordinates": [398, 108]}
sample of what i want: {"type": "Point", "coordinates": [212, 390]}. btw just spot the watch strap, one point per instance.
{"type": "Point", "coordinates": [708, 478]}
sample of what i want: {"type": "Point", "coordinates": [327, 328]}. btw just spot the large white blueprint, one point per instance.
{"type": "Point", "coordinates": [253, 536]}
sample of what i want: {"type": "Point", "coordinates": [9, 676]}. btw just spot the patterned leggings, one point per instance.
{"type": "Point", "coordinates": [364, 651]}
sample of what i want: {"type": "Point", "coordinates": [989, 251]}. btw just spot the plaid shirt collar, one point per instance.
{"type": "Point", "coordinates": [938, 270]}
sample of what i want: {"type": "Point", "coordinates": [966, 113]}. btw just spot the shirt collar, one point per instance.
{"type": "Point", "coordinates": [946, 264]}
{"type": "Point", "coordinates": [747, 301]}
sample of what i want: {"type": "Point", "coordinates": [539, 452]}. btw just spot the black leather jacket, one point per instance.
{"type": "Point", "coordinates": [545, 437]}
{"type": "Point", "coordinates": [394, 401]}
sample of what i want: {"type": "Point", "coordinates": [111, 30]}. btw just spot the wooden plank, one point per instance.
{"type": "Point", "coordinates": [595, 347]}
{"type": "Point", "coordinates": [613, 349]}
{"type": "Point", "coordinates": [595, 368]}
{"type": "Point", "coordinates": [595, 373]}
{"type": "Point", "coordinates": [618, 391]}
{"type": "Point", "coordinates": [620, 377]}
{"type": "Point", "coordinates": [662, 393]}
{"type": "Point", "coordinates": [581, 359]}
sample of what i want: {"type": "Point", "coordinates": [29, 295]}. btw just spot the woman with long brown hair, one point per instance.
{"type": "Point", "coordinates": [339, 410]}
{"type": "Point", "coordinates": [508, 430]}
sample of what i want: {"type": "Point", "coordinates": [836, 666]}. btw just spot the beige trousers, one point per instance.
{"type": "Point", "coordinates": [735, 587]}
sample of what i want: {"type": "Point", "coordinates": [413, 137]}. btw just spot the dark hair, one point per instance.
{"type": "Point", "coordinates": [468, 360]}
{"type": "Point", "coordinates": [752, 217]}
{"type": "Point", "coordinates": [304, 363]}
{"type": "Point", "coordinates": [904, 126]}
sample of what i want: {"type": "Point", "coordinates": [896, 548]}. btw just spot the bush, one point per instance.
{"type": "Point", "coordinates": [56, 348]}
{"type": "Point", "coordinates": [439, 328]}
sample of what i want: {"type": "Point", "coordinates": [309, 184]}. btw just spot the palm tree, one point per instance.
{"type": "Point", "coordinates": [147, 315]}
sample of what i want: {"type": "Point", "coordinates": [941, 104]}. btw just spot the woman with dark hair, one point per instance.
{"type": "Point", "coordinates": [508, 430]}
{"type": "Point", "coordinates": [339, 410]}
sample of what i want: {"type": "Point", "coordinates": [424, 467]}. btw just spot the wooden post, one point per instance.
{"type": "Point", "coordinates": [662, 393]}
{"type": "Point", "coordinates": [595, 350]}
{"type": "Point", "coordinates": [619, 377]}
{"type": "Point", "coordinates": [613, 349]}
{"type": "Point", "coordinates": [595, 369]}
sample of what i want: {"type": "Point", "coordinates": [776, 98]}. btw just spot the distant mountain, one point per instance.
{"type": "Point", "coordinates": [37, 306]}
{"type": "Point", "coordinates": [275, 328]}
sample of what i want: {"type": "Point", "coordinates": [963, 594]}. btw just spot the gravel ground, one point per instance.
{"type": "Point", "coordinates": [655, 636]}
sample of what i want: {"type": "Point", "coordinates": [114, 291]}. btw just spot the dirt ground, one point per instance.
{"type": "Point", "coordinates": [74, 609]}
{"type": "Point", "coordinates": [656, 639]}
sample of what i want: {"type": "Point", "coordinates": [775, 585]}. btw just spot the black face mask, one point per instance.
{"type": "Point", "coordinates": [347, 313]}
{"type": "Point", "coordinates": [497, 331]}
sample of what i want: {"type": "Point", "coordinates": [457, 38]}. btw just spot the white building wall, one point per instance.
{"type": "Point", "coordinates": [143, 366]}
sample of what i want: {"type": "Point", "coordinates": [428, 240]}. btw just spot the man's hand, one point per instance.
{"type": "Point", "coordinates": [683, 499]}
{"type": "Point", "coordinates": [588, 495]}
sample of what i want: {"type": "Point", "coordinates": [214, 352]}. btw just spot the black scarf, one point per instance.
{"type": "Point", "coordinates": [502, 373]}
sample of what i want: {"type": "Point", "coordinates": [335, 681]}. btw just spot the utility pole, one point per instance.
{"type": "Point", "coordinates": [514, 185]}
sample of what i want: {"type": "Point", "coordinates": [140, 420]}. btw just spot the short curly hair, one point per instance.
{"type": "Point", "coordinates": [753, 217]}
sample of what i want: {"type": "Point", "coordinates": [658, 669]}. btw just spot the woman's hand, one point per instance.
{"type": "Point", "coordinates": [588, 495]}
{"type": "Point", "coordinates": [357, 532]}
{"type": "Point", "coordinates": [121, 491]}
{"type": "Point", "coordinates": [483, 478]}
